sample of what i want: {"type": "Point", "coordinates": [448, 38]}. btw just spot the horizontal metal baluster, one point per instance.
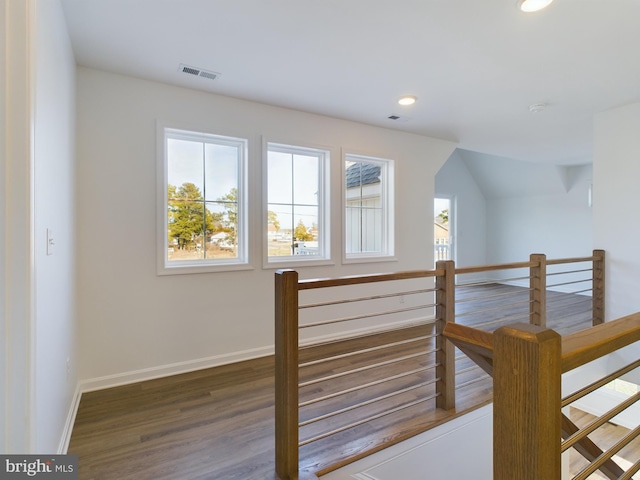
{"type": "Point", "coordinates": [366, 315]}
{"type": "Point", "coordinates": [484, 297]}
{"type": "Point", "coordinates": [367, 350]}
{"type": "Point", "coordinates": [368, 419]}
{"type": "Point", "coordinates": [363, 299]}
{"type": "Point", "coordinates": [491, 282]}
{"type": "Point", "coordinates": [367, 385]}
{"type": "Point", "coordinates": [596, 385]}
{"type": "Point", "coordinates": [364, 369]}
{"type": "Point", "coordinates": [306, 346]}
{"type": "Point", "coordinates": [566, 272]}
{"type": "Point", "coordinates": [493, 309]}
{"type": "Point", "coordinates": [568, 283]}
{"type": "Point", "coordinates": [365, 403]}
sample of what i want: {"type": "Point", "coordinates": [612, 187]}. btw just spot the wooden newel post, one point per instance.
{"type": "Point", "coordinates": [538, 292]}
{"type": "Point", "coordinates": [286, 374]}
{"type": "Point", "coordinates": [445, 357]}
{"type": "Point", "coordinates": [598, 286]}
{"type": "Point", "coordinates": [526, 403]}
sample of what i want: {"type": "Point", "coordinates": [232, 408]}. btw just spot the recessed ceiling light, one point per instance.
{"type": "Point", "coordinates": [533, 5]}
{"type": "Point", "coordinates": [407, 100]}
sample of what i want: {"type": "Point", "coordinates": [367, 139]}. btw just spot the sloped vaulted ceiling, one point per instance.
{"type": "Point", "coordinates": [499, 177]}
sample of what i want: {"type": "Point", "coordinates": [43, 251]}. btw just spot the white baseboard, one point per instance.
{"type": "Point", "coordinates": [68, 424]}
{"type": "Point", "coordinates": [125, 378]}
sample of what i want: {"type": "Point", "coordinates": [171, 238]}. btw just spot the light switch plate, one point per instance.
{"type": "Point", "coordinates": [50, 242]}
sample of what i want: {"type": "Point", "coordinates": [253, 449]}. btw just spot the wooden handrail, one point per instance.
{"type": "Point", "coordinates": [577, 348]}
{"type": "Point", "coordinates": [359, 279]}
{"type": "Point", "coordinates": [561, 261]}
{"type": "Point", "coordinates": [587, 345]}
{"type": "Point", "coordinates": [489, 268]}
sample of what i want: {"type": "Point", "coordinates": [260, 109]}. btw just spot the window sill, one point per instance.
{"type": "Point", "coordinates": [297, 263]}
{"type": "Point", "coordinates": [369, 259]}
{"type": "Point", "coordinates": [191, 269]}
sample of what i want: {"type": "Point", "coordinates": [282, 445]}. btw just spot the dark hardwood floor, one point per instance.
{"type": "Point", "coordinates": [493, 305]}
{"type": "Point", "coordinates": [210, 424]}
{"type": "Point", "coordinates": [218, 423]}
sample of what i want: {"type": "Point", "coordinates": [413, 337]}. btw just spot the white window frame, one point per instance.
{"type": "Point", "coordinates": [324, 207]}
{"type": "Point", "coordinates": [387, 173]}
{"type": "Point", "coordinates": [164, 266]}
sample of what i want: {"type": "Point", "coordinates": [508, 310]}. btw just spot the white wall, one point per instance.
{"type": "Point", "coordinates": [558, 224]}
{"type": "Point", "coordinates": [134, 323]}
{"type": "Point", "coordinates": [17, 292]}
{"type": "Point", "coordinates": [38, 292]}
{"type": "Point", "coordinates": [54, 201]}
{"type": "Point", "coordinates": [3, 219]}
{"type": "Point", "coordinates": [454, 180]}
{"type": "Point", "coordinates": [616, 203]}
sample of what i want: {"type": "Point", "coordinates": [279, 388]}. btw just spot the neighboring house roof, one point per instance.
{"type": "Point", "coordinates": [440, 223]}
{"type": "Point", "coordinates": [440, 226]}
{"type": "Point", "coordinates": [362, 174]}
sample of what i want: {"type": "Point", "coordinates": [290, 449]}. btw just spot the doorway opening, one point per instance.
{"type": "Point", "coordinates": [443, 248]}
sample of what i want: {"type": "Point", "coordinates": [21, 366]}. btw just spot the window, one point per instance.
{"type": "Point", "coordinates": [297, 204]}
{"type": "Point", "coordinates": [368, 214]}
{"type": "Point", "coordinates": [203, 207]}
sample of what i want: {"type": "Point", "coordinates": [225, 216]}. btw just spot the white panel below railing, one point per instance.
{"type": "Point", "coordinates": [459, 449]}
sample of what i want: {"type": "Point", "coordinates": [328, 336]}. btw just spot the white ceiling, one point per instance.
{"type": "Point", "coordinates": [475, 65]}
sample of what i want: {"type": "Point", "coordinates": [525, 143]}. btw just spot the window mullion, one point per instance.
{"type": "Point", "coordinates": [204, 201]}
{"type": "Point", "coordinates": [293, 208]}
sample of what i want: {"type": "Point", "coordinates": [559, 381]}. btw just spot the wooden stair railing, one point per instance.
{"type": "Point", "coordinates": [478, 345]}
{"type": "Point", "coordinates": [526, 362]}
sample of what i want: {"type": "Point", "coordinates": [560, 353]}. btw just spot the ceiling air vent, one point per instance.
{"type": "Point", "coordinates": [398, 118]}
{"type": "Point", "coordinates": [198, 72]}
